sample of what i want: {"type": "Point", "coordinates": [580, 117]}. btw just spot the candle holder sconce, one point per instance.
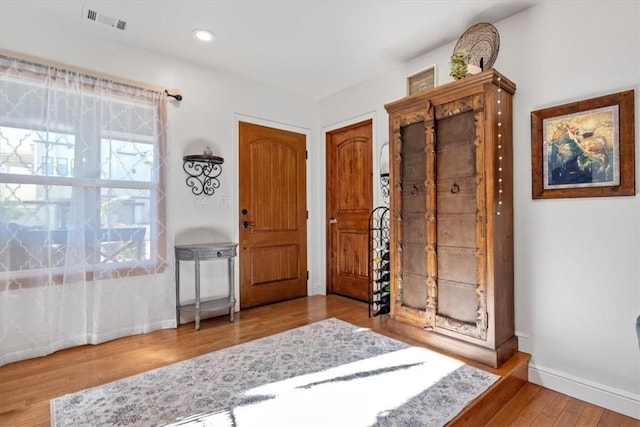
{"type": "Point", "coordinates": [203, 171]}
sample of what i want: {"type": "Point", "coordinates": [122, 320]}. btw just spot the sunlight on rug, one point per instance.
{"type": "Point", "coordinates": [329, 373]}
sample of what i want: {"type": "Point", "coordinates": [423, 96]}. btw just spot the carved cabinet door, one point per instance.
{"type": "Point", "coordinates": [458, 214]}
{"type": "Point", "coordinates": [440, 233]}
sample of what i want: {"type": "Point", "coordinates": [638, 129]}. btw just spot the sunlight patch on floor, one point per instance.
{"type": "Point", "coordinates": [352, 395]}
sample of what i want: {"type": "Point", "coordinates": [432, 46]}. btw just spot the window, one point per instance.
{"type": "Point", "coordinates": [62, 166]}
{"type": "Point", "coordinates": [46, 166]}
{"type": "Point", "coordinates": [80, 175]}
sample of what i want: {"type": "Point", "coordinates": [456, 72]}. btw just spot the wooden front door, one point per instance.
{"type": "Point", "coordinates": [273, 215]}
{"type": "Point", "coordinates": [349, 203]}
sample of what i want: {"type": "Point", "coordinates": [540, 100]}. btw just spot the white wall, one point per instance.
{"type": "Point", "coordinates": [577, 261]}
{"type": "Point", "coordinates": [213, 102]}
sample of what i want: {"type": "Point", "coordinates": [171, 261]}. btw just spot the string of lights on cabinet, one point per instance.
{"type": "Point", "coordinates": [499, 209]}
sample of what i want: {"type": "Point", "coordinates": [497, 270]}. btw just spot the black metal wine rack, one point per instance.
{"type": "Point", "coordinates": [379, 262]}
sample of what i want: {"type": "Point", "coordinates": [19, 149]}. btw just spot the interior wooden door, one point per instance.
{"type": "Point", "coordinates": [349, 204]}
{"type": "Point", "coordinates": [273, 215]}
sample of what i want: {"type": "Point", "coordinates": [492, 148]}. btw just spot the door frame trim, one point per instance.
{"type": "Point", "coordinates": [377, 193]}
{"type": "Point", "coordinates": [234, 199]}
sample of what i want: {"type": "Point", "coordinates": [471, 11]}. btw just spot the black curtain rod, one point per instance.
{"type": "Point", "coordinates": [178, 97]}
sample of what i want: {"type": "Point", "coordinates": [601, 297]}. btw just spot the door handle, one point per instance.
{"type": "Point", "coordinates": [332, 220]}
{"type": "Point", "coordinates": [247, 224]}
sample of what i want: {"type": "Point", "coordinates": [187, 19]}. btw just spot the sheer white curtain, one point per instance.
{"type": "Point", "coordinates": [82, 210]}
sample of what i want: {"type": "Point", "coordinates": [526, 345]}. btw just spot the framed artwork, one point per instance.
{"type": "Point", "coordinates": [422, 80]}
{"type": "Point", "coordinates": [584, 149]}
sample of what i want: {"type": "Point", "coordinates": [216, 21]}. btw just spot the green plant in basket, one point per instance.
{"type": "Point", "coordinates": [459, 65]}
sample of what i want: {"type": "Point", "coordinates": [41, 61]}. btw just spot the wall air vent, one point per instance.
{"type": "Point", "coordinates": [95, 16]}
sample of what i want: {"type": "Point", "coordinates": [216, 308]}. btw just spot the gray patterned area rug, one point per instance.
{"type": "Point", "coordinates": [329, 373]}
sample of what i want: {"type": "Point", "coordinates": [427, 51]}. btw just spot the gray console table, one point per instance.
{"type": "Point", "coordinates": [201, 252]}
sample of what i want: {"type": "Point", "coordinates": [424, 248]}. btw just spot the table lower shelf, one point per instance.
{"type": "Point", "coordinates": [209, 304]}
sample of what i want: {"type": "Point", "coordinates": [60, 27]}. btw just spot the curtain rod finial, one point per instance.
{"type": "Point", "coordinates": [178, 97]}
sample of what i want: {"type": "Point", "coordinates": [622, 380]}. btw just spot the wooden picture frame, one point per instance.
{"type": "Point", "coordinates": [584, 149]}
{"type": "Point", "coordinates": [422, 80]}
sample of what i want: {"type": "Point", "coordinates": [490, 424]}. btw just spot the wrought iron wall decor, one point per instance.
{"type": "Point", "coordinates": [203, 172]}
{"type": "Point", "coordinates": [384, 184]}
{"type": "Point", "coordinates": [384, 172]}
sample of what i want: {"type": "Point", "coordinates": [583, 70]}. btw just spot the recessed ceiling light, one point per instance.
{"type": "Point", "coordinates": [203, 35]}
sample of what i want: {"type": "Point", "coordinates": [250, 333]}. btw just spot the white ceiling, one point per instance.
{"type": "Point", "coordinates": [310, 47]}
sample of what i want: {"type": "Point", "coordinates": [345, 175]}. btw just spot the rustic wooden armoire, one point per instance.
{"type": "Point", "coordinates": [452, 217]}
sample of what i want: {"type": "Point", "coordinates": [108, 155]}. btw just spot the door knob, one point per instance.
{"type": "Point", "coordinates": [332, 220]}
{"type": "Point", "coordinates": [247, 224]}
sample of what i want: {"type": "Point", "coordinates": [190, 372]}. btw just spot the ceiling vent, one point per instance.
{"type": "Point", "coordinates": [95, 16]}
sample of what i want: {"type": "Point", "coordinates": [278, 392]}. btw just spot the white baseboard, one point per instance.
{"type": "Point", "coordinates": [317, 289]}
{"type": "Point", "coordinates": [598, 394]}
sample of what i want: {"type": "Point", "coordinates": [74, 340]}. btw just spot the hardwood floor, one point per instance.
{"type": "Point", "coordinates": [26, 387]}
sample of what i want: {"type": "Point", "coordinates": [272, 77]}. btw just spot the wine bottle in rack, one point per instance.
{"type": "Point", "coordinates": [383, 290]}
{"type": "Point", "coordinates": [384, 309]}
{"type": "Point", "coordinates": [385, 253]}
{"type": "Point", "coordinates": [384, 278]}
{"type": "Point", "coordinates": [383, 268]}
{"type": "Point", "coordinates": [383, 300]}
